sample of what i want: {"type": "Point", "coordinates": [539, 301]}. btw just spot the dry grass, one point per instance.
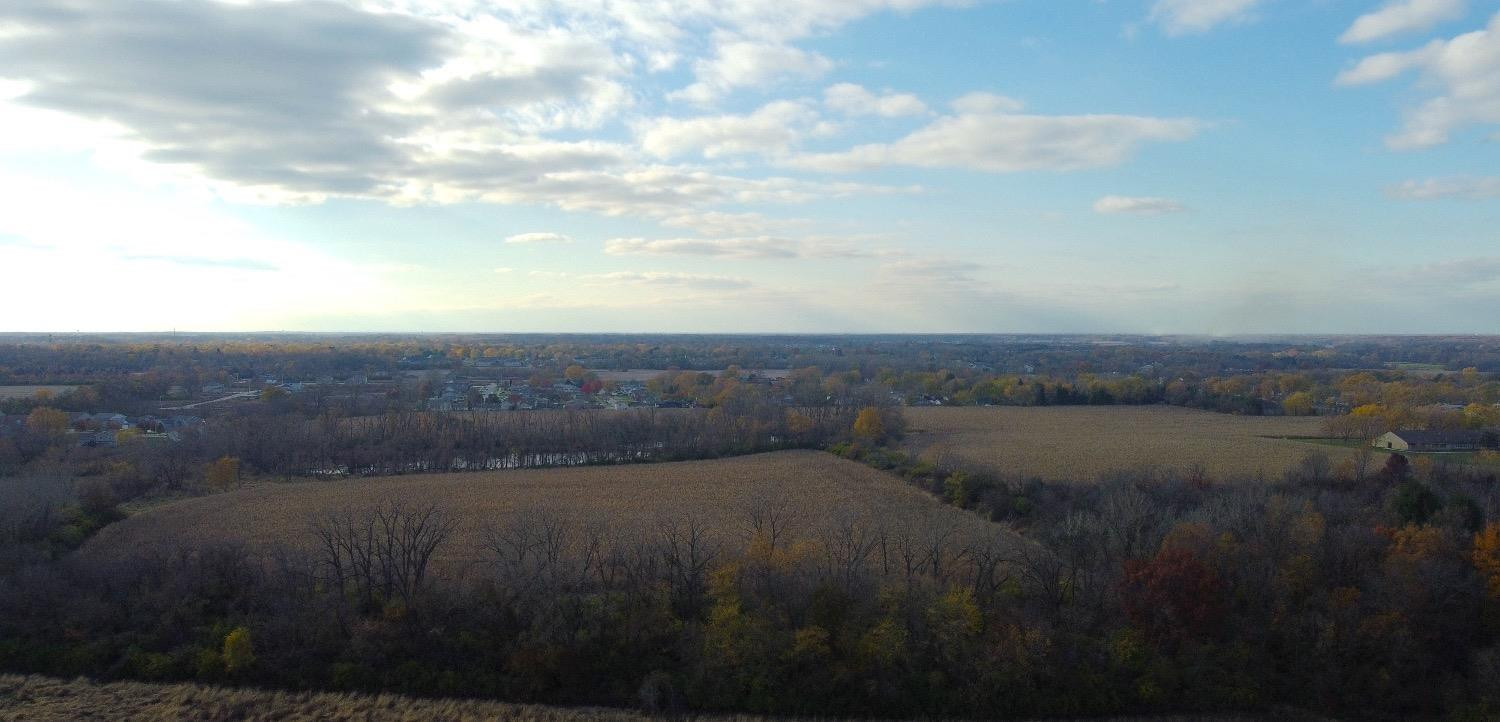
{"type": "Point", "coordinates": [26, 392]}
{"type": "Point", "coordinates": [42, 698]}
{"type": "Point", "coordinates": [1082, 442]}
{"type": "Point", "coordinates": [630, 499]}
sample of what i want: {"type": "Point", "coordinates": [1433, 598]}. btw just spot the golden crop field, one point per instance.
{"type": "Point", "coordinates": [630, 499]}
{"type": "Point", "coordinates": [1079, 443]}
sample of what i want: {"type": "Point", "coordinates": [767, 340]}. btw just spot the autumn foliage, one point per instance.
{"type": "Point", "coordinates": [1172, 593]}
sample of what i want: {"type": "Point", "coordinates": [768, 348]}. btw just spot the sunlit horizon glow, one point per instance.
{"type": "Point", "coordinates": [934, 166]}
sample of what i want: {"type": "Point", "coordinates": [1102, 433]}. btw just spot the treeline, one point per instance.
{"type": "Point", "coordinates": [1148, 593]}
{"type": "Point", "coordinates": [406, 442]}
{"type": "Point", "coordinates": [1257, 393]}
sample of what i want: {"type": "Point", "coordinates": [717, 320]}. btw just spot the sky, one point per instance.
{"type": "Point", "coordinates": [1123, 166]}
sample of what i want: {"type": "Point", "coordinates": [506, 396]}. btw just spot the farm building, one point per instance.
{"type": "Point", "coordinates": [1412, 440]}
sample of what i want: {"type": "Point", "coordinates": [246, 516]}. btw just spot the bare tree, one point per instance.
{"type": "Point", "coordinates": [531, 551]}
{"type": "Point", "coordinates": [771, 516]}
{"type": "Point", "coordinates": [848, 544]}
{"type": "Point", "coordinates": [383, 553]}
{"type": "Point", "coordinates": [687, 549]}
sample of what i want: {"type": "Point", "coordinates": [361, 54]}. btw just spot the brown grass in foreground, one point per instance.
{"type": "Point", "coordinates": [43, 698]}
{"type": "Point", "coordinates": [1078, 443]}
{"type": "Point", "coordinates": [629, 500]}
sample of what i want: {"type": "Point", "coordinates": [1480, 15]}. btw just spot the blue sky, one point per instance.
{"type": "Point", "coordinates": [1159, 166]}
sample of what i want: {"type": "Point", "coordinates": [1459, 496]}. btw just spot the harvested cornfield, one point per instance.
{"type": "Point", "coordinates": [718, 495]}
{"type": "Point", "coordinates": [41, 698]}
{"type": "Point", "coordinates": [1079, 443]}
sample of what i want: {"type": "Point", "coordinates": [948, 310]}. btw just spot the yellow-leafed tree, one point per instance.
{"type": "Point", "coordinates": [869, 425]}
{"type": "Point", "coordinates": [223, 473]}
{"type": "Point", "coordinates": [239, 652]}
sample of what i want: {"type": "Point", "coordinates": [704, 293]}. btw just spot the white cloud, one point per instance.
{"type": "Point", "coordinates": [855, 100]}
{"type": "Point", "coordinates": [984, 102]}
{"type": "Point", "coordinates": [1465, 68]}
{"type": "Point", "coordinates": [928, 272]}
{"type": "Point", "coordinates": [1458, 274]}
{"type": "Point", "coordinates": [1468, 188]}
{"type": "Point", "coordinates": [1001, 142]}
{"type": "Point", "coordinates": [543, 237]}
{"type": "Point", "coordinates": [764, 247]}
{"type": "Point", "coordinates": [1186, 17]}
{"type": "Point", "coordinates": [754, 247]}
{"type": "Point", "coordinates": [748, 64]}
{"type": "Point", "coordinates": [1403, 16]}
{"type": "Point", "coordinates": [665, 279]}
{"type": "Point", "coordinates": [720, 223]}
{"type": "Point", "coordinates": [412, 102]}
{"type": "Point", "coordinates": [1137, 205]}
{"type": "Point", "coordinates": [772, 129]}
{"type": "Point", "coordinates": [505, 270]}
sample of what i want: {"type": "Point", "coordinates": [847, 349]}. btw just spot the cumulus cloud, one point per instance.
{"type": "Point", "coordinates": [1186, 17]}
{"type": "Point", "coordinates": [750, 64]}
{"type": "Point", "coordinates": [774, 128]}
{"type": "Point", "coordinates": [1467, 188]}
{"type": "Point", "coordinates": [985, 136]}
{"type": "Point", "coordinates": [276, 94]}
{"type": "Point", "coordinates": [1465, 69]}
{"type": "Point", "coordinates": [420, 102]}
{"type": "Point", "coordinates": [1137, 205]}
{"type": "Point", "coordinates": [541, 237]}
{"type": "Point", "coordinates": [855, 100]}
{"type": "Point", "coordinates": [1403, 16]}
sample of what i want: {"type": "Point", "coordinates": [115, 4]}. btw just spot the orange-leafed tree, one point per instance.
{"type": "Point", "coordinates": [1486, 556]}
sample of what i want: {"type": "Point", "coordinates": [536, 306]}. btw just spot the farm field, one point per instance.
{"type": "Point", "coordinates": [630, 499]}
{"type": "Point", "coordinates": [1082, 442]}
{"type": "Point", "coordinates": [24, 392]}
